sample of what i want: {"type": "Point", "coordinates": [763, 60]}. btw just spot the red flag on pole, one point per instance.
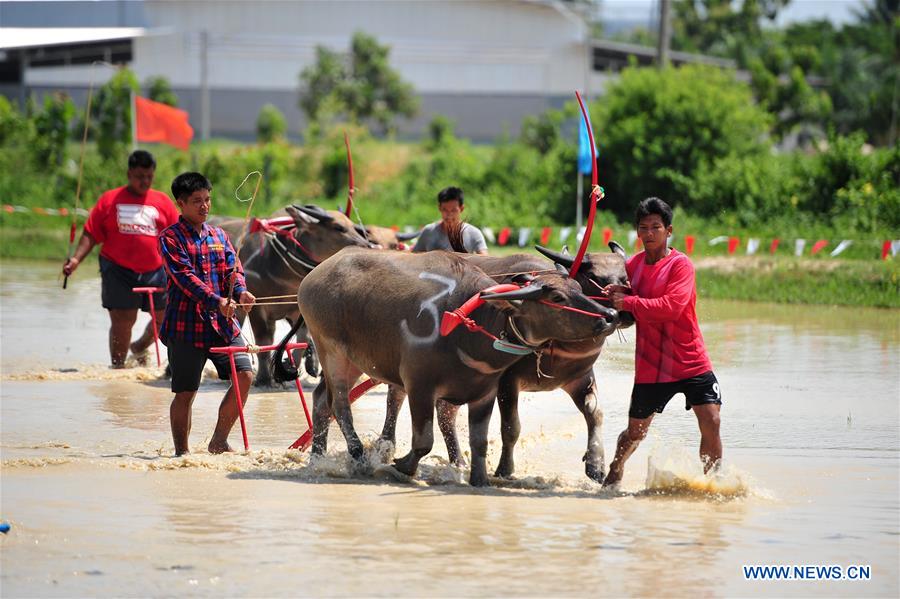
{"type": "Point", "coordinates": [689, 244]}
{"type": "Point", "coordinates": [504, 236]}
{"type": "Point", "coordinates": [818, 246]}
{"type": "Point", "coordinates": [885, 249]}
{"type": "Point", "coordinates": [545, 235]}
{"type": "Point", "coordinates": [158, 122]}
{"type": "Point", "coordinates": [774, 246]}
{"type": "Point", "coordinates": [732, 244]}
{"type": "Point", "coordinates": [607, 235]}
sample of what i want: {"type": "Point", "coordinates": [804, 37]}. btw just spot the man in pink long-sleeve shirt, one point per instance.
{"type": "Point", "coordinates": [670, 356]}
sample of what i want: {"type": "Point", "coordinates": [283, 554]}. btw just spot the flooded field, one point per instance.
{"type": "Point", "coordinates": [99, 507]}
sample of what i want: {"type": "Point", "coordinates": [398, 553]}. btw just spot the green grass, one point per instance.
{"type": "Point", "coordinates": [802, 281]}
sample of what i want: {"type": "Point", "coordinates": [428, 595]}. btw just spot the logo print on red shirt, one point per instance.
{"type": "Point", "coordinates": [137, 219]}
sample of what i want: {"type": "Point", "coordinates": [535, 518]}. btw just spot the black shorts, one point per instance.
{"type": "Point", "coordinates": [647, 398]}
{"type": "Point", "coordinates": [118, 282]}
{"type": "Point", "coordinates": [187, 362]}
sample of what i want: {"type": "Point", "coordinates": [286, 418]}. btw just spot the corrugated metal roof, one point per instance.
{"type": "Point", "coordinates": [36, 37]}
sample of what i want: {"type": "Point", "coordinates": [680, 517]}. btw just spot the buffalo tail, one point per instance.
{"type": "Point", "coordinates": [283, 371]}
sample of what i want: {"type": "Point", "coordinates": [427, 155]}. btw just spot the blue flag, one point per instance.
{"type": "Point", "coordinates": [584, 147]}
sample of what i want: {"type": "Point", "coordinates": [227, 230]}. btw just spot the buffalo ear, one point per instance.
{"type": "Point", "coordinates": [618, 249]}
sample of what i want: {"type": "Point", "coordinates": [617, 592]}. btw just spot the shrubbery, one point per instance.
{"type": "Point", "coordinates": [691, 136]}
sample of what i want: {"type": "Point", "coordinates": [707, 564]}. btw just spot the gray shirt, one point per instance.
{"type": "Point", "coordinates": [433, 237]}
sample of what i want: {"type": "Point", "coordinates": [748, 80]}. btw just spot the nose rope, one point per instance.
{"type": "Point", "coordinates": [571, 309]}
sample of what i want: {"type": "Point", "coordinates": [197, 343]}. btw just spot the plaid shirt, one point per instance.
{"type": "Point", "coordinates": [198, 267]}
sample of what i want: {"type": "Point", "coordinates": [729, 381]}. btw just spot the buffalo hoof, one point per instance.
{"type": "Point", "coordinates": [478, 479]}
{"type": "Point", "coordinates": [595, 473]}
{"type": "Point", "coordinates": [390, 472]}
{"type": "Point", "coordinates": [505, 469]}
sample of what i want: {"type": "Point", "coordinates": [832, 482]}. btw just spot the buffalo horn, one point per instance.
{"type": "Point", "coordinates": [556, 256]}
{"type": "Point", "coordinates": [315, 212]}
{"type": "Point", "coordinates": [408, 236]}
{"type": "Point", "coordinates": [529, 292]}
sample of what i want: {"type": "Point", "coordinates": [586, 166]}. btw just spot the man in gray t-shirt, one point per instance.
{"type": "Point", "coordinates": [434, 236]}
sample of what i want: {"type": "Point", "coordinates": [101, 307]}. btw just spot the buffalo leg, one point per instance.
{"type": "Point", "coordinates": [395, 398]}
{"type": "Point", "coordinates": [321, 418]}
{"type": "Point", "coordinates": [421, 409]}
{"type": "Point", "coordinates": [339, 394]}
{"type": "Point", "coordinates": [479, 420]}
{"type": "Point", "coordinates": [584, 394]}
{"type": "Point", "coordinates": [510, 427]}
{"type": "Point", "coordinates": [446, 413]}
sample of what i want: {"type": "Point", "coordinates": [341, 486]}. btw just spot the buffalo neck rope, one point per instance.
{"type": "Point", "coordinates": [460, 316]}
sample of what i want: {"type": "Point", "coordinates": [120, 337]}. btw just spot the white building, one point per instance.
{"type": "Point", "coordinates": [485, 64]}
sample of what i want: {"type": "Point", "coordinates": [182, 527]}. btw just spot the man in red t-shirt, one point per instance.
{"type": "Point", "coordinates": [670, 356]}
{"type": "Point", "coordinates": [127, 222]}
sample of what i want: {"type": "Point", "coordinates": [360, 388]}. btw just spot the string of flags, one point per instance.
{"type": "Point", "coordinates": [523, 236]}
{"type": "Point", "coordinates": [751, 245]}
{"type": "Point", "coordinates": [10, 208]}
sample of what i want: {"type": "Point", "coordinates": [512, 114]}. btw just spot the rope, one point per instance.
{"type": "Point", "coordinates": [251, 199]}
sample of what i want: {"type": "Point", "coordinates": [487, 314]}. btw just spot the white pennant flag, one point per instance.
{"type": "Point", "coordinates": [895, 247]}
{"type": "Point", "coordinates": [580, 235]}
{"type": "Point", "coordinates": [632, 237]}
{"type": "Point", "coordinates": [718, 240]}
{"type": "Point", "coordinates": [799, 244]}
{"type": "Point", "coordinates": [752, 246]}
{"type": "Point", "coordinates": [524, 234]}
{"type": "Point", "coordinates": [841, 247]}
{"type": "Point", "coordinates": [564, 234]}
{"type": "Point", "coordinates": [489, 234]}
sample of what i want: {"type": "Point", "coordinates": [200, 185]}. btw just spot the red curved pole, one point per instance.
{"type": "Point", "coordinates": [593, 211]}
{"type": "Point", "coordinates": [350, 179]}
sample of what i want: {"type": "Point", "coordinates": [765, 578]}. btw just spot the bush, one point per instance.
{"type": "Point", "coordinates": [657, 129]}
{"type": "Point", "coordinates": [270, 124]}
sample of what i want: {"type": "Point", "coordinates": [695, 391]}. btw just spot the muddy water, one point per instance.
{"type": "Point", "coordinates": [98, 507]}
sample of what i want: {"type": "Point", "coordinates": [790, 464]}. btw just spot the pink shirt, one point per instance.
{"type": "Point", "coordinates": [669, 344]}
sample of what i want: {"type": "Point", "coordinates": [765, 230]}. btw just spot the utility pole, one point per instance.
{"type": "Point", "coordinates": [665, 34]}
{"type": "Point", "coordinates": [204, 85]}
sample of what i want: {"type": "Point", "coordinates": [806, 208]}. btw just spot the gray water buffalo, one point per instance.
{"type": "Point", "coordinates": [277, 259]}
{"type": "Point", "coordinates": [379, 313]}
{"type": "Point", "coordinates": [565, 365]}
{"type": "Point", "coordinates": [388, 239]}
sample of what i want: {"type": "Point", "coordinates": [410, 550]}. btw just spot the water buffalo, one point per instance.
{"type": "Point", "coordinates": [567, 365]}
{"type": "Point", "coordinates": [379, 313]}
{"type": "Point", "coordinates": [385, 237]}
{"type": "Point", "coordinates": [276, 262]}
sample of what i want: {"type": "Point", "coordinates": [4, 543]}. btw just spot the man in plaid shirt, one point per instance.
{"type": "Point", "coordinates": [200, 262]}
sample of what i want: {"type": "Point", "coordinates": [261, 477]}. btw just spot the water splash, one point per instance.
{"type": "Point", "coordinates": [679, 474]}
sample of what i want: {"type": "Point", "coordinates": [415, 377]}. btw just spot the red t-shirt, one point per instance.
{"type": "Point", "coordinates": [669, 344]}
{"type": "Point", "coordinates": [128, 227]}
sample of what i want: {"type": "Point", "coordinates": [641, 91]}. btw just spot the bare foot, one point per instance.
{"type": "Point", "coordinates": [613, 477]}
{"type": "Point", "coordinates": [141, 356]}
{"type": "Point", "coordinates": [178, 454]}
{"type": "Point", "coordinates": [219, 448]}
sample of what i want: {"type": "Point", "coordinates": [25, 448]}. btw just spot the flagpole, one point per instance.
{"type": "Point", "coordinates": [133, 122]}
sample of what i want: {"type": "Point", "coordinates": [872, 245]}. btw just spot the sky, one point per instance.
{"type": "Point", "coordinates": [837, 11]}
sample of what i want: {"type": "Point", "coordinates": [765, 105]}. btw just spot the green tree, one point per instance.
{"type": "Point", "coordinates": [360, 86]}
{"type": "Point", "coordinates": [270, 124]}
{"type": "Point", "coordinates": [657, 128]}
{"type": "Point", "coordinates": [13, 124]}
{"type": "Point", "coordinates": [111, 113]}
{"type": "Point", "coordinates": [160, 90]}
{"type": "Point", "coordinates": [51, 129]}
{"type": "Point", "coordinates": [720, 27]}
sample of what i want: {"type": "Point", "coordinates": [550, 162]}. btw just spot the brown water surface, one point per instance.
{"type": "Point", "coordinates": [98, 507]}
